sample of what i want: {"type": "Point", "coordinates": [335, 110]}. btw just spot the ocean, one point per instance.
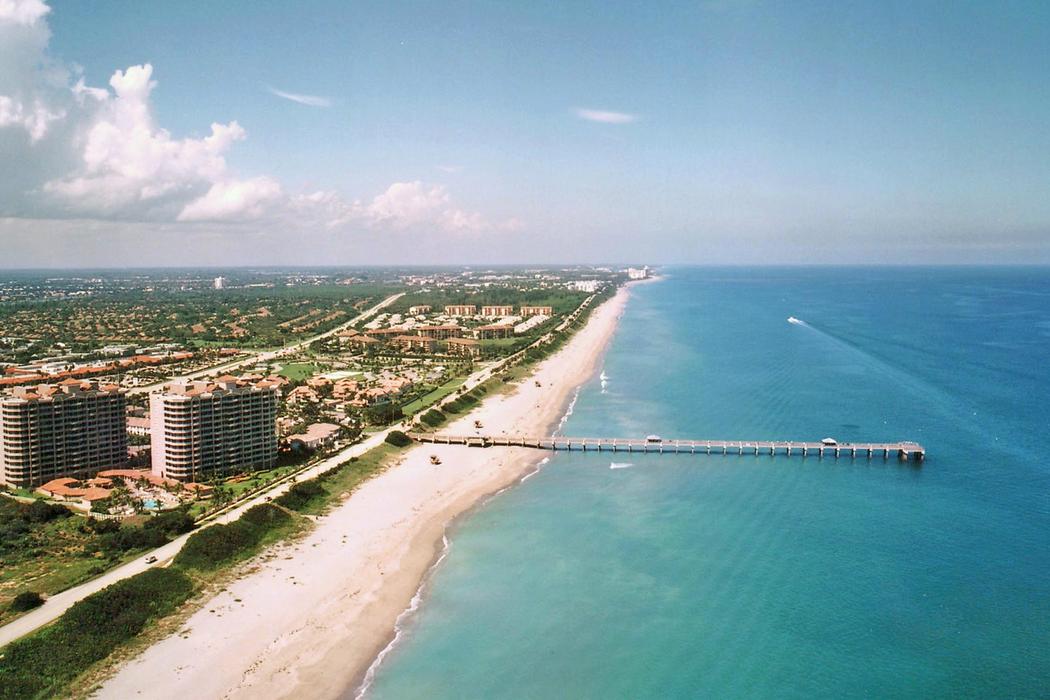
{"type": "Point", "coordinates": [631, 576]}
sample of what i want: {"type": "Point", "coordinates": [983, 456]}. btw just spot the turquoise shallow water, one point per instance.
{"type": "Point", "coordinates": [725, 577]}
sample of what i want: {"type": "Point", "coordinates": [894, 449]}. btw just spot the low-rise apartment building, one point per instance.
{"type": "Point", "coordinates": [495, 331]}
{"type": "Point", "coordinates": [439, 332]}
{"type": "Point", "coordinates": [497, 311]}
{"type": "Point", "coordinates": [527, 311]}
{"type": "Point", "coordinates": [461, 310]}
{"type": "Point", "coordinates": [415, 343]}
{"type": "Point", "coordinates": [464, 346]}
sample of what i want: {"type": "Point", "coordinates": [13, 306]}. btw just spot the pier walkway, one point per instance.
{"type": "Point", "coordinates": [905, 451]}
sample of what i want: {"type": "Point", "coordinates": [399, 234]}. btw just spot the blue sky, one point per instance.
{"type": "Point", "coordinates": [452, 132]}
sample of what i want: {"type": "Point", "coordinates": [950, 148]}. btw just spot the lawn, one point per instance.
{"type": "Point", "coordinates": [434, 396]}
{"type": "Point", "coordinates": [298, 371]}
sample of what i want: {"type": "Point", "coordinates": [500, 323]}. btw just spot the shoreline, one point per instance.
{"type": "Point", "coordinates": [317, 617]}
{"type": "Point", "coordinates": [359, 686]}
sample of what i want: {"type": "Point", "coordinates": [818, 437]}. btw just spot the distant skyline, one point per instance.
{"type": "Point", "coordinates": [727, 131]}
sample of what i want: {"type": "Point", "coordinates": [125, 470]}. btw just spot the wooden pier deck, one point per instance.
{"type": "Point", "coordinates": [905, 451]}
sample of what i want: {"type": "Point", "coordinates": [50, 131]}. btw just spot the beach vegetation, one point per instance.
{"type": "Point", "coordinates": [398, 439]}
{"type": "Point", "coordinates": [219, 544]}
{"type": "Point", "coordinates": [26, 600]}
{"type": "Point", "coordinates": [301, 495]}
{"type": "Point", "coordinates": [45, 548]}
{"type": "Point", "coordinates": [433, 418]}
{"type": "Point", "coordinates": [43, 663]}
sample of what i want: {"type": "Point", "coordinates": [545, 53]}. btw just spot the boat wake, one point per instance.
{"type": "Point", "coordinates": [604, 379]}
{"type": "Point", "coordinates": [620, 465]}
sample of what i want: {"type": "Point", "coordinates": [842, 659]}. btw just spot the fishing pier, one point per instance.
{"type": "Point", "coordinates": [904, 451]}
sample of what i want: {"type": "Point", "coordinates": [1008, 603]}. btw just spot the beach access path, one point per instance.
{"type": "Point", "coordinates": [315, 615]}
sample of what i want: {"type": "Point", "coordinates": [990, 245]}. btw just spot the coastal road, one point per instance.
{"type": "Point", "coordinates": [270, 354]}
{"type": "Point", "coordinates": [57, 604]}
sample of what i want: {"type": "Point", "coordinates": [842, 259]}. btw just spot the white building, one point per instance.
{"type": "Point", "coordinates": [636, 273]}
{"type": "Point", "coordinates": [200, 429]}
{"type": "Point", "coordinates": [589, 286]}
{"type": "Point", "coordinates": [220, 282]}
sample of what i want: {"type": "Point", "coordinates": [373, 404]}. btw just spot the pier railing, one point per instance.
{"type": "Point", "coordinates": [905, 451]}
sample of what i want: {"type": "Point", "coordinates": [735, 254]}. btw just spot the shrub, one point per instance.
{"type": "Point", "coordinates": [172, 522]}
{"type": "Point", "coordinates": [398, 438]}
{"type": "Point", "coordinates": [433, 418]}
{"type": "Point", "coordinates": [42, 512]}
{"type": "Point", "coordinates": [100, 526]}
{"type": "Point", "coordinates": [264, 517]}
{"type": "Point", "coordinates": [301, 495]}
{"type": "Point", "coordinates": [215, 545]}
{"type": "Point", "coordinates": [219, 544]}
{"type": "Point", "coordinates": [126, 539]}
{"type": "Point", "coordinates": [26, 600]}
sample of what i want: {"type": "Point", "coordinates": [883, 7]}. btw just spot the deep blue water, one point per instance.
{"type": "Point", "coordinates": [697, 576]}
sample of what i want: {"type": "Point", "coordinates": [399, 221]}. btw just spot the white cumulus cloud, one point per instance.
{"type": "Point", "coordinates": [25, 12]}
{"type": "Point", "coordinates": [97, 153]}
{"type": "Point", "coordinates": [414, 204]}
{"type": "Point", "coordinates": [129, 166]}
{"type": "Point", "coordinates": [234, 200]}
{"type": "Point", "coordinates": [35, 119]}
{"type": "Point", "coordinates": [604, 117]}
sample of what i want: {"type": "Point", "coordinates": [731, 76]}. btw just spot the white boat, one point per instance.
{"type": "Point", "coordinates": [792, 319]}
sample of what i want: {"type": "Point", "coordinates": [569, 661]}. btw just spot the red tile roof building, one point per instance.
{"type": "Point", "coordinates": [201, 429]}
{"type": "Point", "coordinates": [73, 429]}
{"type": "Point", "coordinates": [464, 346]}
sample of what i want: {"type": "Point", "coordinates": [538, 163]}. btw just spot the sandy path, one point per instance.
{"type": "Point", "coordinates": [311, 618]}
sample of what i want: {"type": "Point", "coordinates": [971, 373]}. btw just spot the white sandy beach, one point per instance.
{"type": "Point", "coordinates": [312, 617]}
